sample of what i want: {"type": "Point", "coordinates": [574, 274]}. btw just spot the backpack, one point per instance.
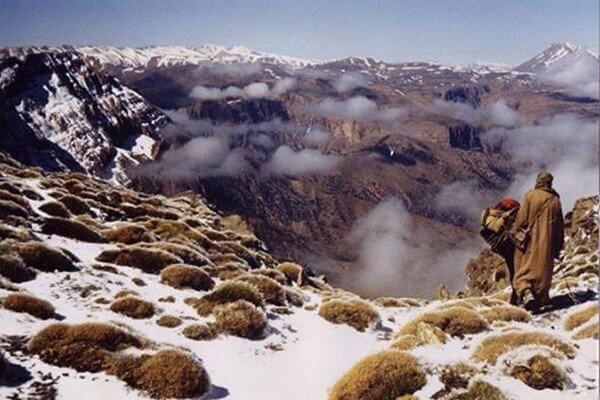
{"type": "Point", "coordinates": [496, 222]}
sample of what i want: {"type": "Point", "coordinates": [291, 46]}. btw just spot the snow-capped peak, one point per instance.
{"type": "Point", "coordinates": [555, 53]}
{"type": "Point", "coordinates": [138, 58]}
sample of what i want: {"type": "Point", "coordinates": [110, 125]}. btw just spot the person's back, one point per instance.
{"type": "Point", "coordinates": [540, 218]}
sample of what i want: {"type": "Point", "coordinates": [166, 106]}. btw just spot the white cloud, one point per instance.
{"type": "Point", "coordinates": [566, 145]}
{"type": "Point", "coordinates": [286, 161]}
{"type": "Point", "coordinates": [316, 137]}
{"type": "Point", "coordinates": [579, 76]}
{"type": "Point", "coordinates": [349, 81]}
{"type": "Point", "coordinates": [397, 257]}
{"type": "Point", "coordinates": [255, 90]}
{"type": "Point", "coordinates": [199, 158]}
{"type": "Point", "coordinates": [233, 70]}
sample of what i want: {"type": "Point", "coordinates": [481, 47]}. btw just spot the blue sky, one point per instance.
{"type": "Point", "coordinates": [450, 31]}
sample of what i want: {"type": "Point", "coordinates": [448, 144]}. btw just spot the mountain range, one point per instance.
{"type": "Point", "coordinates": [405, 130]}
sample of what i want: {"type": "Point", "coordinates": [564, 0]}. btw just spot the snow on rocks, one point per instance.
{"type": "Point", "coordinates": [295, 354]}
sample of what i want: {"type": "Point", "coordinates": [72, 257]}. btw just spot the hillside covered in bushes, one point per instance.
{"type": "Point", "coordinates": [113, 293]}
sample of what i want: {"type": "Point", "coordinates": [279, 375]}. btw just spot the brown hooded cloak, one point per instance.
{"type": "Point", "coordinates": [541, 212]}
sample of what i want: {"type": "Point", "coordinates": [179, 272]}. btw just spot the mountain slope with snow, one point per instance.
{"type": "Point", "coordinates": [298, 354]}
{"type": "Point", "coordinates": [140, 58]}
{"type": "Point", "coordinates": [555, 54]}
{"type": "Point", "coordinates": [70, 116]}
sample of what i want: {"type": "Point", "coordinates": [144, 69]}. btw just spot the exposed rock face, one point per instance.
{"type": "Point", "coordinates": [465, 136]}
{"type": "Point", "coordinates": [69, 116]}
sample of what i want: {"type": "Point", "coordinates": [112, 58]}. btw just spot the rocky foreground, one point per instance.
{"type": "Point", "coordinates": [111, 293]}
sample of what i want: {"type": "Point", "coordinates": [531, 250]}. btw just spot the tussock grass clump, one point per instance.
{"type": "Point", "coordinates": [24, 303]}
{"type": "Point", "coordinates": [494, 346]}
{"type": "Point", "coordinates": [241, 318]}
{"type": "Point", "coordinates": [505, 313]}
{"type": "Point", "coordinates": [406, 342]}
{"type": "Point", "coordinates": [11, 232]}
{"type": "Point", "coordinates": [186, 276]}
{"type": "Point", "coordinates": [293, 272]}
{"type": "Point", "coordinates": [125, 293]}
{"type": "Point", "coordinates": [539, 373]}
{"type": "Point", "coordinates": [148, 260]}
{"type": "Point", "coordinates": [166, 374]}
{"type": "Point", "coordinates": [228, 271]}
{"type": "Point", "coordinates": [473, 303]}
{"type": "Point", "coordinates": [169, 321]}
{"type": "Point", "coordinates": [128, 234]}
{"type": "Point", "coordinates": [271, 291]}
{"type": "Point", "coordinates": [294, 297]}
{"type": "Point", "coordinates": [386, 375]}
{"type": "Point", "coordinates": [587, 332]}
{"type": "Point", "coordinates": [74, 204]}
{"type": "Point", "coordinates": [455, 321]}
{"type": "Point", "coordinates": [274, 274]}
{"type": "Point", "coordinates": [356, 313]}
{"type": "Point", "coordinates": [84, 347]}
{"type": "Point", "coordinates": [398, 302]}
{"type": "Point", "coordinates": [455, 376]}
{"type": "Point", "coordinates": [42, 257]}
{"type": "Point", "coordinates": [207, 331]}
{"type": "Point", "coordinates": [187, 253]}
{"type": "Point", "coordinates": [177, 231]}
{"type": "Point", "coordinates": [580, 317]}
{"type": "Point", "coordinates": [133, 307]}
{"type": "Point", "coordinates": [15, 198]}
{"type": "Point", "coordinates": [479, 390]}
{"type": "Point", "coordinates": [228, 292]}
{"type": "Point", "coordinates": [12, 266]}
{"type": "Point", "coordinates": [422, 334]}
{"type": "Point", "coordinates": [55, 209]}
{"type": "Point", "coordinates": [71, 229]}
{"type": "Point", "coordinates": [8, 208]}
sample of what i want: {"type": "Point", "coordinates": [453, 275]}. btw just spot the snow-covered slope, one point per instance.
{"type": "Point", "coordinates": [555, 54]}
{"type": "Point", "coordinates": [140, 58]}
{"type": "Point", "coordinates": [299, 355]}
{"type": "Point", "coordinates": [70, 116]}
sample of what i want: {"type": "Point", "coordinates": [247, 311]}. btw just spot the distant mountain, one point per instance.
{"type": "Point", "coordinates": [67, 115]}
{"type": "Point", "coordinates": [555, 54]}
{"type": "Point", "coordinates": [139, 58]}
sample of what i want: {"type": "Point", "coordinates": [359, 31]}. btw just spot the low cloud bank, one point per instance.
{"type": "Point", "coordinates": [286, 161]}
{"type": "Point", "coordinates": [185, 126]}
{"type": "Point", "coordinates": [496, 114]}
{"type": "Point", "coordinates": [233, 70]}
{"type": "Point", "coordinates": [316, 137]}
{"type": "Point", "coordinates": [255, 90]}
{"type": "Point", "coordinates": [349, 81]}
{"type": "Point", "coordinates": [201, 157]}
{"type": "Point", "coordinates": [566, 145]}
{"type": "Point", "coordinates": [357, 108]}
{"type": "Point", "coordinates": [579, 76]}
{"type": "Point", "coordinates": [399, 258]}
